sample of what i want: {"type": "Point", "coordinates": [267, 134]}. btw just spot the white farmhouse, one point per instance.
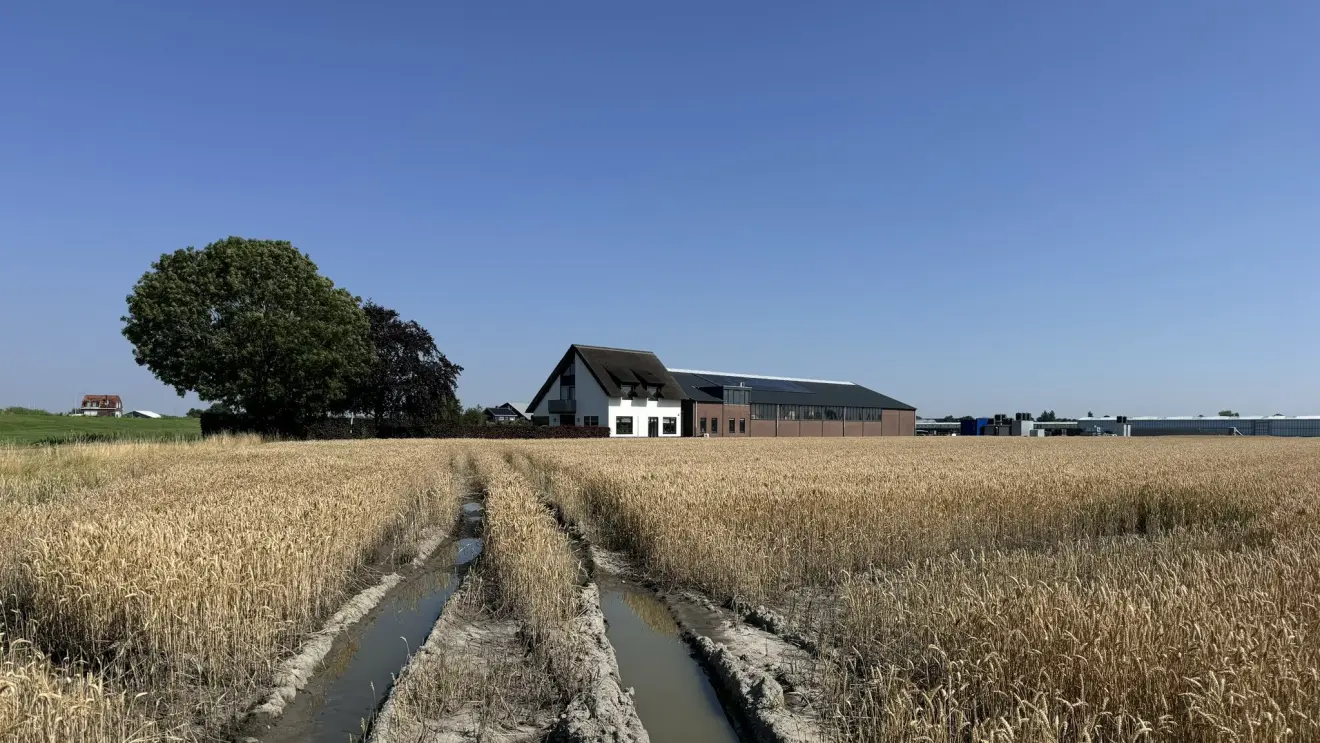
{"type": "Point", "coordinates": [630, 392]}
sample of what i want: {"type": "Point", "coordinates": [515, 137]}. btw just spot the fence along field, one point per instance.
{"type": "Point", "coordinates": [995, 590]}
{"type": "Point", "coordinates": [970, 590]}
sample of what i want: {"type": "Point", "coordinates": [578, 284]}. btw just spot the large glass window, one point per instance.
{"type": "Point", "coordinates": [703, 424]}
{"type": "Point", "coordinates": [591, 420]}
{"type": "Point", "coordinates": [714, 425]}
{"type": "Point", "coordinates": [742, 425]}
{"type": "Point", "coordinates": [671, 426]}
{"type": "Point", "coordinates": [730, 428]}
{"type": "Point", "coordinates": [566, 393]}
{"type": "Point", "coordinates": [788, 412]}
{"type": "Point", "coordinates": [763, 411]}
{"type": "Point", "coordinates": [623, 425]}
{"type": "Point", "coordinates": [735, 396]}
{"type": "Point", "coordinates": [833, 413]}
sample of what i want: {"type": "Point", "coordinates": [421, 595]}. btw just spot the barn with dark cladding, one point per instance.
{"type": "Point", "coordinates": [635, 395]}
{"type": "Point", "coordinates": [726, 404]}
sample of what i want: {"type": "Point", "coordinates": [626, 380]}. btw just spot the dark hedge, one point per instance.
{"type": "Point", "coordinates": [214, 423]}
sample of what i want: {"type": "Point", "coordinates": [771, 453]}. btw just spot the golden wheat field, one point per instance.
{"type": "Point", "coordinates": [999, 589]}
{"type": "Point", "coordinates": [149, 589]}
{"type": "Point", "coordinates": [959, 589]}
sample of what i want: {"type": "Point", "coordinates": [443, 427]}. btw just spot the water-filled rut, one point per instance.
{"type": "Point", "coordinates": [675, 700]}
{"type": "Point", "coordinates": [356, 676]}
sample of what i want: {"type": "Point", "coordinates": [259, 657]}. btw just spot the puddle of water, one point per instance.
{"type": "Point", "coordinates": [357, 674]}
{"type": "Point", "coordinates": [674, 698]}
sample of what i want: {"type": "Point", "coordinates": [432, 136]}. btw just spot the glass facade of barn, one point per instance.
{"type": "Point", "coordinates": [770, 412]}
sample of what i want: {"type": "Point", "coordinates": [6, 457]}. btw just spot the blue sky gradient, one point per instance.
{"type": "Point", "coordinates": [972, 207]}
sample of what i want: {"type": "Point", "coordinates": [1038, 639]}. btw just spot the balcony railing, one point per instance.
{"type": "Point", "coordinates": [563, 406]}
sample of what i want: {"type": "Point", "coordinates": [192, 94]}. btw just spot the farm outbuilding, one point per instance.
{"type": "Point", "coordinates": [635, 394]}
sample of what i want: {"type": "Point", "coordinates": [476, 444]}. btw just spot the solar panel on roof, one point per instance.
{"type": "Point", "coordinates": [754, 383]}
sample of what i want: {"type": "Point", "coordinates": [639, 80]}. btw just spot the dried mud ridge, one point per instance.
{"type": "Point", "coordinates": [296, 673]}
{"type": "Point", "coordinates": [767, 672]}
{"type": "Point", "coordinates": [602, 712]}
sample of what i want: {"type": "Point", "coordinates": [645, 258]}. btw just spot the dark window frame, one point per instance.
{"type": "Point", "coordinates": [715, 426]}
{"type": "Point", "coordinates": [742, 425]}
{"type": "Point", "coordinates": [669, 426]}
{"type": "Point", "coordinates": [730, 426]}
{"type": "Point", "coordinates": [703, 424]}
{"type": "Point", "coordinates": [619, 422]}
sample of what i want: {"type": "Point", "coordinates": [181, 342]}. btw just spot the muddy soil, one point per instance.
{"type": "Point", "coordinates": [333, 698]}
{"type": "Point", "coordinates": [771, 684]}
{"type": "Point", "coordinates": [675, 699]}
{"type": "Point", "coordinates": [472, 680]}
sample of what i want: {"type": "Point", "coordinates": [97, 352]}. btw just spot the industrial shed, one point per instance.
{"type": "Point", "coordinates": [635, 395]}
{"type": "Point", "coordinates": [725, 404]}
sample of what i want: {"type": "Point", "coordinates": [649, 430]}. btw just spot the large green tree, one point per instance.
{"type": "Point", "coordinates": [250, 324]}
{"type": "Point", "coordinates": [410, 381]}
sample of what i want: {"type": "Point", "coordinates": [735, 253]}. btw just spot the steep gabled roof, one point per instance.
{"type": "Point", "coordinates": [612, 367]}
{"type": "Point", "coordinates": [105, 401]}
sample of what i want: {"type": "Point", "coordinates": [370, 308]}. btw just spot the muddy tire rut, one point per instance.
{"type": "Point", "coordinates": [766, 675]}
{"type": "Point", "coordinates": [331, 688]}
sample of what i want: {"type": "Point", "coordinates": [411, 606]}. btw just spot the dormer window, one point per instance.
{"type": "Point", "coordinates": [628, 391]}
{"type": "Point", "coordinates": [652, 392]}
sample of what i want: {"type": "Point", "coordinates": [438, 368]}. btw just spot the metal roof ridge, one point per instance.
{"type": "Point", "coordinates": [760, 376]}
{"type": "Point", "coordinates": [614, 348]}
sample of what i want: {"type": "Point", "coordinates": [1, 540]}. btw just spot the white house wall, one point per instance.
{"type": "Point", "coordinates": [543, 407]}
{"type": "Point", "coordinates": [591, 399]}
{"type": "Point", "coordinates": [640, 409]}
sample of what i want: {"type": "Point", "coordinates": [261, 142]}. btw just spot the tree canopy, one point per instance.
{"type": "Point", "coordinates": [409, 380]}
{"type": "Point", "coordinates": [251, 324]}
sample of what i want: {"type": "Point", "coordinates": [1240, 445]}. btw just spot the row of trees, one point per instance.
{"type": "Point", "coordinates": [253, 327]}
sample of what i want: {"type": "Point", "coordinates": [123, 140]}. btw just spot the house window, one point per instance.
{"type": "Point", "coordinates": [714, 425]}
{"type": "Point", "coordinates": [591, 420]}
{"type": "Point", "coordinates": [742, 425]}
{"type": "Point", "coordinates": [730, 428]}
{"type": "Point", "coordinates": [627, 390]}
{"type": "Point", "coordinates": [703, 424]}
{"type": "Point", "coordinates": [671, 426]}
{"type": "Point", "coordinates": [566, 393]}
{"type": "Point", "coordinates": [652, 392]}
{"type": "Point", "coordinates": [623, 425]}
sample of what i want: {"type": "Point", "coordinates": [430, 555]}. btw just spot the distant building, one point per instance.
{"type": "Point", "coordinates": [141, 414]}
{"type": "Point", "coordinates": [633, 394]}
{"type": "Point", "coordinates": [1206, 425]}
{"type": "Point", "coordinates": [109, 406]}
{"type": "Point", "coordinates": [509, 412]}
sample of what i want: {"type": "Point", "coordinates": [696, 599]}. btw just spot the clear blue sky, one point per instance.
{"type": "Point", "coordinates": [973, 207]}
